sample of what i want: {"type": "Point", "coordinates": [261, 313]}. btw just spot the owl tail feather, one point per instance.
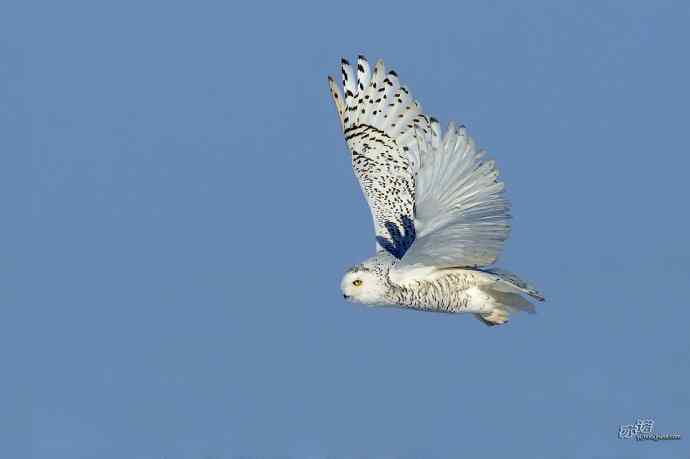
{"type": "Point", "coordinates": [503, 305]}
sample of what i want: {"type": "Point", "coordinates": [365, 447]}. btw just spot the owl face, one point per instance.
{"type": "Point", "coordinates": [362, 285]}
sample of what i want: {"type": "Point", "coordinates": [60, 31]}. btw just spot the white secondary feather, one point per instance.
{"type": "Point", "coordinates": [461, 216]}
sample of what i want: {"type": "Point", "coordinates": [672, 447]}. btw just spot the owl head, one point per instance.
{"type": "Point", "coordinates": [364, 285]}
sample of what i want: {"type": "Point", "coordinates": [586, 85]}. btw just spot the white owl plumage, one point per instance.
{"type": "Point", "coordinates": [440, 214]}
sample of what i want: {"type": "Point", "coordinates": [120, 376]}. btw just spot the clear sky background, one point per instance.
{"type": "Point", "coordinates": [179, 209]}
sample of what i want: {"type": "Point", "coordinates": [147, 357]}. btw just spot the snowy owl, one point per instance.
{"type": "Point", "coordinates": [440, 215]}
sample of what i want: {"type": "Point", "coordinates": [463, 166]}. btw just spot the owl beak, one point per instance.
{"type": "Point", "coordinates": [346, 296]}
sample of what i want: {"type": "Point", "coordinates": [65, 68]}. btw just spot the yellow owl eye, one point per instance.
{"type": "Point", "coordinates": [357, 282]}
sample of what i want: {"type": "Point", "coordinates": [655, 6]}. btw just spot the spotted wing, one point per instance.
{"type": "Point", "coordinates": [380, 122]}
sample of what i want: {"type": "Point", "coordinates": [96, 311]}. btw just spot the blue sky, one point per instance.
{"type": "Point", "coordinates": [172, 282]}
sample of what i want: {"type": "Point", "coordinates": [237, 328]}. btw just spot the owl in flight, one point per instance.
{"type": "Point", "coordinates": [439, 212]}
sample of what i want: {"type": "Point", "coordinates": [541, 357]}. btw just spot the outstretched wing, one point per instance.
{"type": "Point", "coordinates": [381, 122]}
{"type": "Point", "coordinates": [461, 214]}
